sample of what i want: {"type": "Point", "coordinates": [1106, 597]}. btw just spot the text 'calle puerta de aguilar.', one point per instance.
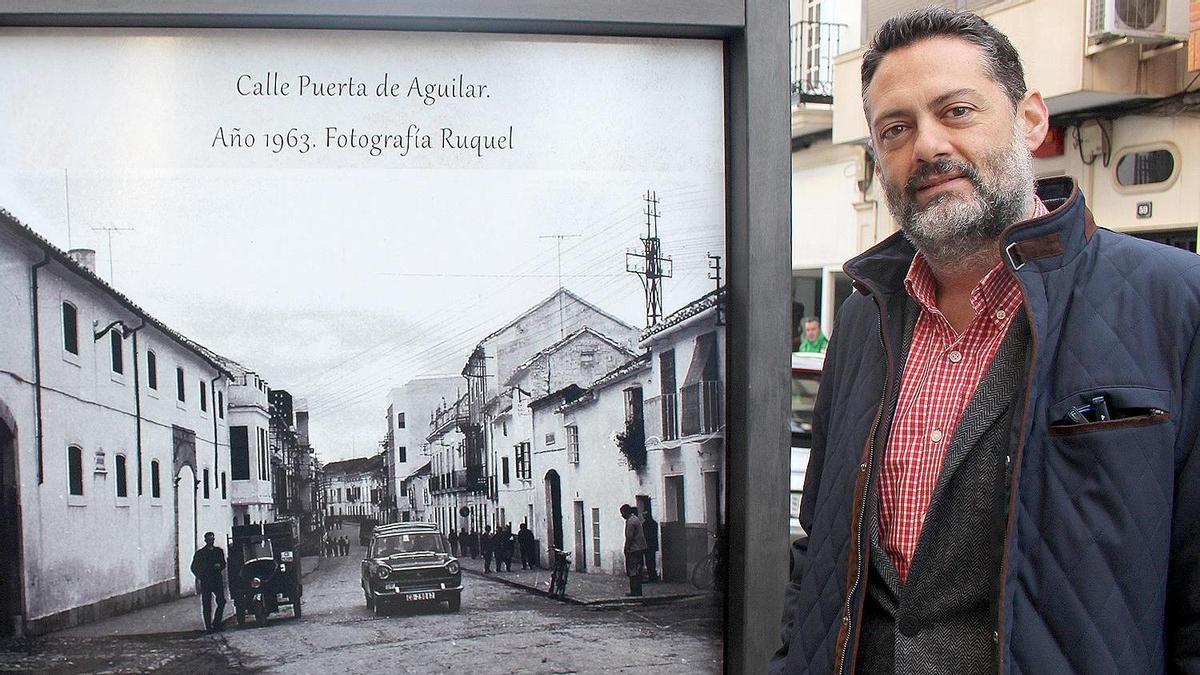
{"type": "Point", "coordinates": [403, 138]}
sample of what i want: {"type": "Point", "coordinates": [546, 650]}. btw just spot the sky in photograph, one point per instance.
{"type": "Point", "coordinates": [339, 272]}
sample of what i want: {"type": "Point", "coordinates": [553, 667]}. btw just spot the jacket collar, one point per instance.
{"type": "Point", "coordinates": [1045, 243]}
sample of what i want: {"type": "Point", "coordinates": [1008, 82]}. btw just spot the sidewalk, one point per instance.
{"type": "Point", "coordinates": [583, 588]}
{"type": "Point", "coordinates": [177, 616]}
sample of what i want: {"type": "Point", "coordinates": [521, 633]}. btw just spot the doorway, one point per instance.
{"type": "Point", "coordinates": [554, 528]}
{"type": "Point", "coordinates": [10, 532]}
{"type": "Point", "coordinates": [580, 539]}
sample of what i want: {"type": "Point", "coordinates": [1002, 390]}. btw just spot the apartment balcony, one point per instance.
{"type": "Point", "coordinates": [446, 419]}
{"type": "Point", "coordinates": [702, 407]}
{"type": "Point", "coordinates": [815, 45]}
{"type": "Point", "coordinates": [452, 481]}
{"type": "Point", "coordinates": [661, 418]}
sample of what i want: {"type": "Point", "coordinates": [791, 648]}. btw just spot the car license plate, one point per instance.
{"type": "Point", "coordinates": [429, 595]}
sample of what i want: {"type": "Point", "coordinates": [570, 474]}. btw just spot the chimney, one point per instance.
{"type": "Point", "coordinates": [86, 258]}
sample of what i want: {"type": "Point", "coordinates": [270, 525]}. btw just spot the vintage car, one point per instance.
{"type": "Point", "coordinates": [410, 562]}
{"type": "Point", "coordinates": [264, 570]}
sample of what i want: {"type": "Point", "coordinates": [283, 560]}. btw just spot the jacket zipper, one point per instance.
{"type": "Point", "coordinates": [862, 511]}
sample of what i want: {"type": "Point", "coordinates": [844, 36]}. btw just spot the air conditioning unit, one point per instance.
{"type": "Point", "coordinates": [1151, 21]}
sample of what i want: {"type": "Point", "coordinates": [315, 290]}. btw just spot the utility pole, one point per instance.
{"type": "Point", "coordinates": [561, 329]}
{"type": "Point", "coordinates": [714, 273]}
{"type": "Point", "coordinates": [110, 229]}
{"type": "Point", "coordinates": [649, 263]}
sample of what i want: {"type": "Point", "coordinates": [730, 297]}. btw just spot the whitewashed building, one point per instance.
{"type": "Point", "coordinates": [355, 488]}
{"type": "Point", "coordinates": [114, 445]}
{"type": "Point", "coordinates": [410, 411]}
{"type": "Point", "coordinates": [576, 360]}
{"type": "Point", "coordinates": [249, 452]}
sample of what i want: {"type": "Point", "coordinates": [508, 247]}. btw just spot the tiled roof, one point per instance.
{"type": "Point", "coordinates": [355, 465]}
{"type": "Point", "coordinates": [705, 302]}
{"type": "Point", "coordinates": [545, 302]}
{"type": "Point", "coordinates": [617, 374]}
{"type": "Point", "coordinates": [60, 256]}
{"type": "Point", "coordinates": [568, 393]}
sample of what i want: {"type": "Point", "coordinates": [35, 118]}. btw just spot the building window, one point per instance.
{"type": "Point", "coordinates": [239, 453]}
{"type": "Point", "coordinates": [587, 359]}
{"type": "Point", "coordinates": [180, 391]}
{"type": "Point", "coordinates": [573, 445]}
{"type": "Point", "coordinates": [155, 485]}
{"type": "Point", "coordinates": [403, 454]}
{"type": "Point", "coordinates": [118, 354]}
{"type": "Point", "coordinates": [221, 404]}
{"type": "Point", "coordinates": [224, 487]}
{"type": "Point", "coordinates": [504, 470]}
{"type": "Point", "coordinates": [1145, 167]}
{"type": "Point", "coordinates": [70, 328]}
{"type": "Point", "coordinates": [524, 470]}
{"type": "Point", "coordinates": [122, 480]}
{"type": "Point", "coordinates": [206, 484]}
{"type": "Point", "coordinates": [75, 470]}
{"type": "Point", "coordinates": [151, 370]}
{"type": "Point", "coordinates": [203, 397]}
{"type": "Point", "coordinates": [399, 420]}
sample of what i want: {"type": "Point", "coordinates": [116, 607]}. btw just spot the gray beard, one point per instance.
{"type": "Point", "coordinates": [958, 232]}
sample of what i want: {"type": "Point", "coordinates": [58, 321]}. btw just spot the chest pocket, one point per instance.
{"type": "Point", "coordinates": [1123, 407]}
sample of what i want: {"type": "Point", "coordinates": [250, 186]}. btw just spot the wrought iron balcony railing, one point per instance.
{"type": "Point", "coordinates": [814, 46]}
{"type": "Point", "coordinates": [701, 405]}
{"type": "Point", "coordinates": [662, 418]}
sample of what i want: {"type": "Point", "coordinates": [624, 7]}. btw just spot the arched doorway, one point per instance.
{"type": "Point", "coordinates": [186, 488]}
{"type": "Point", "coordinates": [10, 528]}
{"type": "Point", "coordinates": [554, 533]}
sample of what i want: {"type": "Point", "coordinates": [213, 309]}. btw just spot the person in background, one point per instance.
{"type": "Point", "coordinates": [453, 542]}
{"type": "Point", "coordinates": [528, 547]}
{"type": "Point", "coordinates": [635, 549]}
{"type": "Point", "coordinates": [650, 530]}
{"type": "Point", "coordinates": [488, 544]}
{"type": "Point", "coordinates": [814, 340]}
{"type": "Point", "coordinates": [208, 564]}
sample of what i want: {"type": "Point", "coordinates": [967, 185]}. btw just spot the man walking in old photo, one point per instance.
{"type": "Point", "coordinates": [1003, 475]}
{"type": "Point", "coordinates": [635, 549]}
{"type": "Point", "coordinates": [208, 564]}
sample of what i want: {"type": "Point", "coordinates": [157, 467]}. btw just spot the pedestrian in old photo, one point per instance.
{"type": "Point", "coordinates": [208, 565]}
{"type": "Point", "coordinates": [488, 544]}
{"type": "Point", "coordinates": [527, 545]}
{"type": "Point", "coordinates": [343, 546]}
{"type": "Point", "coordinates": [1004, 474]}
{"type": "Point", "coordinates": [475, 541]}
{"type": "Point", "coordinates": [453, 538]}
{"type": "Point", "coordinates": [464, 543]}
{"type": "Point", "coordinates": [504, 548]}
{"type": "Point", "coordinates": [635, 549]}
{"type": "Point", "coordinates": [650, 530]}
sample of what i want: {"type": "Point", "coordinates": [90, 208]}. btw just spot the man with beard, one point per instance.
{"type": "Point", "coordinates": [1003, 475]}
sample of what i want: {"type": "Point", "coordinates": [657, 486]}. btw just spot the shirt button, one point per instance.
{"type": "Point", "coordinates": [1000, 314]}
{"type": "Point", "coordinates": [954, 356]}
{"type": "Point", "coordinates": [936, 435]}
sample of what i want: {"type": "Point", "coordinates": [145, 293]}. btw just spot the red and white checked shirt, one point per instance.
{"type": "Point", "coordinates": [943, 370]}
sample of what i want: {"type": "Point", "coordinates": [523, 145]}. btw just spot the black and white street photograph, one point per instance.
{"type": "Point", "coordinates": [361, 351]}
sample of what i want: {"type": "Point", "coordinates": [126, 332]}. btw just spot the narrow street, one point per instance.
{"type": "Point", "coordinates": [500, 629]}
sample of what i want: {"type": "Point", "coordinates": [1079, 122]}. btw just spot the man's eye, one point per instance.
{"type": "Point", "coordinates": [892, 131]}
{"type": "Point", "coordinates": [959, 111]}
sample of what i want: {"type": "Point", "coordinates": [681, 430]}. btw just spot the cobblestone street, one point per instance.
{"type": "Point", "coordinates": [500, 629]}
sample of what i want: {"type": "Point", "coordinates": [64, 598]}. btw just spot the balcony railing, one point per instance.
{"type": "Point", "coordinates": [662, 417]}
{"type": "Point", "coordinates": [814, 46]}
{"type": "Point", "coordinates": [702, 407]}
{"type": "Point", "coordinates": [452, 481]}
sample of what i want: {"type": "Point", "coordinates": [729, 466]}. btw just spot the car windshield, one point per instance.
{"type": "Point", "coordinates": [257, 549]}
{"type": "Point", "coordinates": [409, 543]}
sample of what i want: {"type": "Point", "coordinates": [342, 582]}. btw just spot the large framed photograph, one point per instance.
{"type": "Point", "coordinates": [368, 335]}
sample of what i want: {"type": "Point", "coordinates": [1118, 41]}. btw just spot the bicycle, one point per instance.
{"type": "Point", "coordinates": [560, 568]}
{"type": "Point", "coordinates": [709, 570]}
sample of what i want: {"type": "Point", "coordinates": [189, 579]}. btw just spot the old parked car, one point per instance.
{"type": "Point", "coordinates": [410, 562]}
{"type": "Point", "coordinates": [264, 570]}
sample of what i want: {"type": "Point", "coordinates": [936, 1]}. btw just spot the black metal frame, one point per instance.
{"type": "Point", "coordinates": [755, 34]}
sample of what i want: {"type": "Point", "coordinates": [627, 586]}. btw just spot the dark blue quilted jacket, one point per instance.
{"type": "Point", "coordinates": [1101, 568]}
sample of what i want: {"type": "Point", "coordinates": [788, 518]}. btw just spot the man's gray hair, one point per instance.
{"type": "Point", "coordinates": [1001, 60]}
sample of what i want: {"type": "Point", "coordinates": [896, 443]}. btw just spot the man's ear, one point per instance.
{"type": "Point", "coordinates": [1034, 117]}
